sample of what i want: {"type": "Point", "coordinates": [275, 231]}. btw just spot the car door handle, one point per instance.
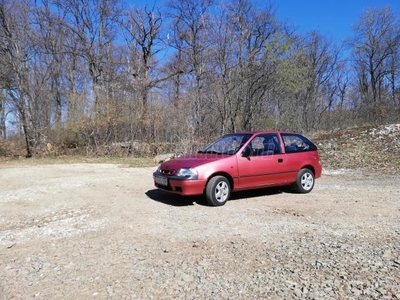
{"type": "Point", "coordinates": [280, 160]}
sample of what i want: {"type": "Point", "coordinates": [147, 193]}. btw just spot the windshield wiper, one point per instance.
{"type": "Point", "coordinates": [208, 152]}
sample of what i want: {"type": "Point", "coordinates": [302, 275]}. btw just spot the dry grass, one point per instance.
{"type": "Point", "coordinates": [366, 148]}
{"type": "Point", "coordinates": [128, 161]}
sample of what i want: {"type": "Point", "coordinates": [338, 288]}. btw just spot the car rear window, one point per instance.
{"type": "Point", "coordinates": [297, 143]}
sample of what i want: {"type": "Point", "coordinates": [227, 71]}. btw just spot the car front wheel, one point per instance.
{"type": "Point", "coordinates": [305, 181]}
{"type": "Point", "coordinates": [218, 191]}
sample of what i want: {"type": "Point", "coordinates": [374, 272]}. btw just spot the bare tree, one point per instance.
{"type": "Point", "coordinates": [5, 77]}
{"type": "Point", "coordinates": [322, 58]}
{"type": "Point", "coordinates": [190, 20]}
{"type": "Point", "coordinates": [17, 47]}
{"type": "Point", "coordinates": [224, 64]}
{"type": "Point", "coordinates": [393, 76]}
{"type": "Point", "coordinates": [375, 47]}
{"type": "Point", "coordinates": [66, 73]}
{"type": "Point", "coordinates": [3, 132]}
{"type": "Point", "coordinates": [256, 33]}
{"type": "Point", "coordinates": [93, 24]}
{"type": "Point", "coordinates": [51, 42]}
{"type": "Point", "coordinates": [143, 28]}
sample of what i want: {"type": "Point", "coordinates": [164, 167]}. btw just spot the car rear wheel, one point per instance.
{"type": "Point", "coordinates": [305, 181]}
{"type": "Point", "coordinates": [218, 191]}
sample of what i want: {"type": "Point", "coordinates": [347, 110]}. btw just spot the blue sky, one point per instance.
{"type": "Point", "coordinates": [332, 17]}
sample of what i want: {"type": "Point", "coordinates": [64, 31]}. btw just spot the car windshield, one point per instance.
{"type": "Point", "coordinates": [227, 144]}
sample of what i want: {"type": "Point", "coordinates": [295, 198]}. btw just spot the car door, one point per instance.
{"type": "Point", "coordinates": [299, 152]}
{"type": "Point", "coordinates": [264, 163]}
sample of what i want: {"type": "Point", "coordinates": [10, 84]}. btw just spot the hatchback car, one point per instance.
{"type": "Point", "coordinates": [242, 161]}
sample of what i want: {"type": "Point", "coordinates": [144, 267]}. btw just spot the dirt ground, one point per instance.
{"type": "Point", "coordinates": [99, 231]}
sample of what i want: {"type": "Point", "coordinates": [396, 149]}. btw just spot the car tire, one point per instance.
{"type": "Point", "coordinates": [305, 181]}
{"type": "Point", "coordinates": [218, 191]}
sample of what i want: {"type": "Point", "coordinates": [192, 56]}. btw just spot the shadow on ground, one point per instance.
{"type": "Point", "coordinates": [177, 200]}
{"type": "Point", "coordinates": [174, 199]}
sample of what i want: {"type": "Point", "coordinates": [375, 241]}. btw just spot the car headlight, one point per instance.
{"type": "Point", "coordinates": [188, 173]}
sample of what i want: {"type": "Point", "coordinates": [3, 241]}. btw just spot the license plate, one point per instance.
{"type": "Point", "coordinates": [161, 180]}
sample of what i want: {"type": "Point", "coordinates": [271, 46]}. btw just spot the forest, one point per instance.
{"type": "Point", "coordinates": [90, 75]}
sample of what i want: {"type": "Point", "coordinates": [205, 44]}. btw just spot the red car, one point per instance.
{"type": "Point", "coordinates": [242, 161]}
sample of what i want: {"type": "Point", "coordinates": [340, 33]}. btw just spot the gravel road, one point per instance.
{"type": "Point", "coordinates": [98, 231]}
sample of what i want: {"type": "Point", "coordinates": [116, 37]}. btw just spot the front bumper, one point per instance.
{"type": "Point", "coordinates": [185, 187]}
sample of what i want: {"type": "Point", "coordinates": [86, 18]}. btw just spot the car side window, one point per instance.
{"type": "Point", "coordinates": [265, 144]}
{"type": "Point", "coordinates": [295, 143]}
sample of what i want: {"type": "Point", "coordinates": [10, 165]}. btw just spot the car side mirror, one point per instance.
{"type": "Point", "coordinates": [246, 152]}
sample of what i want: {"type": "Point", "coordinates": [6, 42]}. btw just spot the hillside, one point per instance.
{"type": "Point", "coordinates": [364, 148]}
{"type": "Point", "coordinates": [371, 149]}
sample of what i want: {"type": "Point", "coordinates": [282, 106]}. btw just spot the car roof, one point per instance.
{"type": "Point", "coordinates": [264, 131]}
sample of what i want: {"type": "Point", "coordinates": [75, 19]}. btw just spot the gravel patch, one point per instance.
{"type": "Point", "coordinates": [89, 231]}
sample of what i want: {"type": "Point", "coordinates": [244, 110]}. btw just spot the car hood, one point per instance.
{"type": "Point", "coordinates": [191, 161]}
